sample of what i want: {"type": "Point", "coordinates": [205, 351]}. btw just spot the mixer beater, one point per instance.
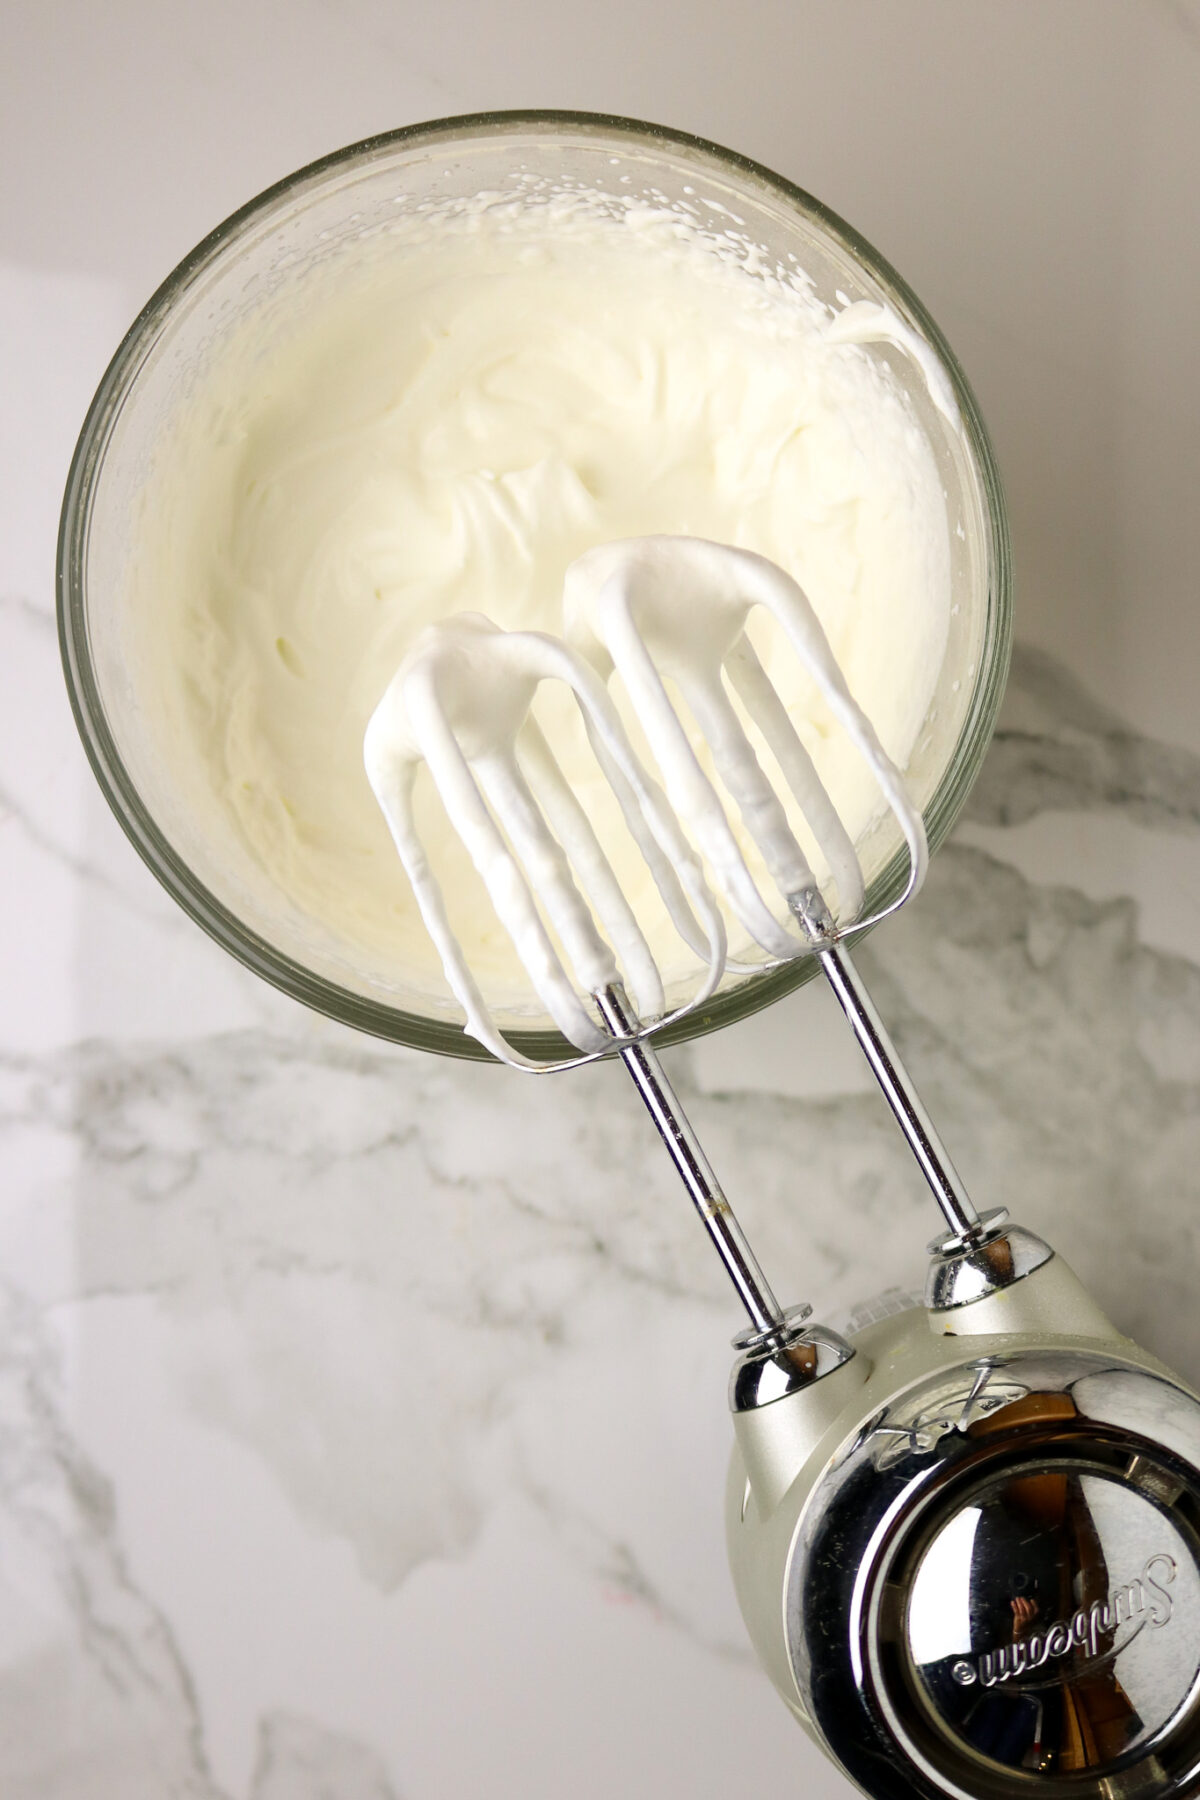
{"type": "Point", "coordinates": [965, 1536]}
{"type": "Point", "coordinates": [461, 704]}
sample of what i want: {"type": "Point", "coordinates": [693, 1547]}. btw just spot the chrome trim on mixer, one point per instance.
{"type": "Point", "coordinates": [986, 1595]}
{"type": "Point", "coordinates": [967, 1269]}
{"type": "Point", "coordinates": [773, 1369]}
{"type": "Point", "coordinates": [773, 1337]}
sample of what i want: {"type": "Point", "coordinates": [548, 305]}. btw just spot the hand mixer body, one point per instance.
{"type": "Point", "coordinates": [969, 1557]}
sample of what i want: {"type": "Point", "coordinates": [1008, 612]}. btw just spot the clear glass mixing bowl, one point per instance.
{"type": "Point", "coordinates": [247, 262]}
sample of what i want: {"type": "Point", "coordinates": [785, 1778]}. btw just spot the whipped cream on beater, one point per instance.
{"type": "Point", "coordinates": [443, 420]}
{"type": "Point", "coordinates": [459, 703]}
{"type": "Point", "coordinates": [649, 608]}
{"type": "Point", "coordinates": [678, 608]}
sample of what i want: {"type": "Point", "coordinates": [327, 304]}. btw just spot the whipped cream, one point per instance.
{"type": "Point", "coordinates": [460, 705]}
{"type": "Point", "coordinates": [651, 609]}
{"type": "Point", "coordinates": [443, 420]}
{"type": "Point", "coordinates": [677, 609]}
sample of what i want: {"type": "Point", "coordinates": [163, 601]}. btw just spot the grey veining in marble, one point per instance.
{"type": "Point", "coordinates": [1058, 749]}
{"type": "Point", "coordinates": [298, 1761]}
{"type": "Point", "coordinates": [105, 1698]}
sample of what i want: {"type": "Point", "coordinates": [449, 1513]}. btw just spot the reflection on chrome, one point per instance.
{"type": "Point", "coordinates": [1090, 1629]}
{"type": "Point", "coordinates": [998, 1580]}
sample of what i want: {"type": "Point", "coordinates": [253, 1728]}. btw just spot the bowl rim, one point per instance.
{"type": "Point", "coordinates": [256, 952]}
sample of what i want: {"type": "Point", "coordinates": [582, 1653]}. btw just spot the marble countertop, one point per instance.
{"type": "Point", "coordinates": [346, 1454]}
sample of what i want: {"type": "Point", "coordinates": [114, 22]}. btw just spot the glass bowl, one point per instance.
{"type": "Point", "coordinates": [246, 263]}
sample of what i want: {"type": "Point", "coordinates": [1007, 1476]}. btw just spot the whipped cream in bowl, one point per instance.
{"type": "Point", "coordinates": [424, 377]}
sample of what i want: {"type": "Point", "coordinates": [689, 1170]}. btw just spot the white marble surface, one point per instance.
{"type": "Point", "coordinates": [361, 1415]}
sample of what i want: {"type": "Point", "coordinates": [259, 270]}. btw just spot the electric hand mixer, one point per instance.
{"type": "Point", "coordinates": [965, 1539]}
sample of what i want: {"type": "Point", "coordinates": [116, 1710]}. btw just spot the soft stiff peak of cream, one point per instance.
{"type": "Point", "coordinates": [443, 421]}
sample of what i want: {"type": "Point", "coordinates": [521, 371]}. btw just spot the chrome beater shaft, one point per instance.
{"type": "Point", "coordinates": [695, 1170]}
{"type": "Point", "coordinates": [964, 1222]}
